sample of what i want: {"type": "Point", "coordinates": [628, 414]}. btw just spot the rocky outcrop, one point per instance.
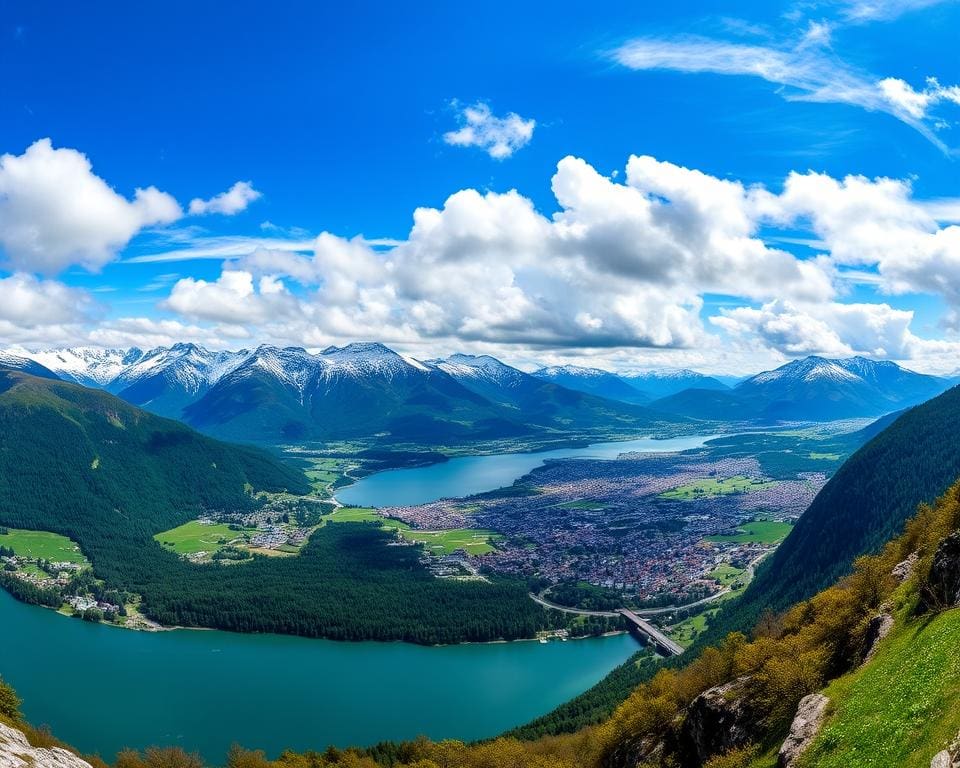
{"type": "Point", "coordinates": [804, 728]}
{"type": "Point", "coordinates": [904, 569]}
{"type": "Point", "coordinates": [718, 720]}
{"type": "Point", "coordinates": [878, 628]}
{"type": "Point", "coordinates": [942, 760]}
{"type": "Point", "coordinates": [943, 584]}
{"type": "Point", "coordinates": [16, 752]}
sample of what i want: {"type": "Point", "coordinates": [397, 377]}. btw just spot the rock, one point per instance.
{"type": "Point", "coordinates": [904, 569]}
{"type": "Point", "coordinates": [804, 728]}
{"type": "Point", "coordinates": [942, 760]}
{"type": "Point", "coordinates": [16, 752]}
{"type": "Point", "coordinates": [943, 584]}
{"type": "Point", "coordinates": [878, 628]}
{"type": "Point", "coordinates": [718, 720]}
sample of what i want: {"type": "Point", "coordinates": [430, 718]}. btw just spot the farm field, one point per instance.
{"type": "Point", "coordinates": [42, 545]}
{"type": "Point", "coordinates": [757, 532]}
{"type": "Point", "coordinates": [193, 537]}
{"type": "Point", "coordinates": [710, 487]}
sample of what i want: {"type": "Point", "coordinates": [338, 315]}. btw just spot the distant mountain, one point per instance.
{"type": "Point", "coordinates": [362, 390]}
{"type": "Point", "coordinates": [668, 381]}
{"type": "Point", "coordinates": [89, 366]}
{"type": "Point", "coordinates": [166, 380]}
{"type": "Point", "coordinates": [17, 363]}
{"type": "Point", "coordinates": [532, 400]}
{"type": "Point", "coordinates": [811, 389]}
{"type": "Point", "coordinates": [593, 381]}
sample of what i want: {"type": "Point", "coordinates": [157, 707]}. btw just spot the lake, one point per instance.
{"type": "Point", "coordinates": [467, 475]}
{"type": "Point", "coordinates": [102, 688]}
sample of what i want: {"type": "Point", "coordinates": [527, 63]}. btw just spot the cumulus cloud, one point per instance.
{"type": "Point", "coordinates": [232, 298]}
{"type": "Point", "coordinates": [56, 212]}
{"type": "Point", "coordinates": [806, 70]}
{"type": "Point", "coordinates": [499, 137]}
{"type": "Point", "coordinates": [233, 201]}
{"type": "Point", "coordinates": [30, 302]}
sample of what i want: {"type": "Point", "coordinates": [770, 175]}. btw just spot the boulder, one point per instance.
{"type": "Point", "coordinates": [878, 628]}
{"type": "Point", "coordinates": [904, 569]}
{"type": "Point", "coordinates": [804, 728]}
{"type": "Point", "coordinates": [16, 752]}
{"type": "Point", "coordinates": [718, 720]}
{"type": "Point", "coordinates": [943, 584]}
{"type": "Point", "coordinates": [942, 760]}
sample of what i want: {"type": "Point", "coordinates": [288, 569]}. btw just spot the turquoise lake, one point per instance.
{"type": "Point", "coordinates": [467, 475]}
{"type": "Point", "coordinates": [102, 688]}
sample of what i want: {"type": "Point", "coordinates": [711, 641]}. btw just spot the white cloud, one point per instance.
{"type": "Point", "coordinates": [55, 212]}
{"type": "Point", "coordinates": [499, 137]}
{"type": "Point", "coordinates": [233, 201]}
{"type": "Point", "coordinates": [233, 298]}
{"type": "Point", "coordinates": [883, 10]}
{"type": "Point", "coordinates": [30, 303]}
{"type": "Point", "coordinates": [807, 70]}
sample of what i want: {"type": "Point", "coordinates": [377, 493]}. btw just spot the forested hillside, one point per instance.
{"type": "Point", "coordinates": [87, 465]}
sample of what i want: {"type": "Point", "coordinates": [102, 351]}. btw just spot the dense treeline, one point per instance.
{"type": "Point", "coordinates": [86, 465]}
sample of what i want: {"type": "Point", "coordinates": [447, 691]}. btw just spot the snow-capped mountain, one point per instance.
{"type": "Point", "coordinates": [812, 389]}
{"type": "Point", "coordinates": [25, 364]}
{"type": "Point", "coordinates": [664, 382]}
{"type": "Point", "coordinates": [89, 366]}
{"type": "Point", "coordinates": [167, 379]}
{"type": "Point", "coordinates": [593, 381]}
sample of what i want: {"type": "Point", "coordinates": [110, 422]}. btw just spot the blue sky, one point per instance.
{"type": "Point", "coordinates": [343, 120]}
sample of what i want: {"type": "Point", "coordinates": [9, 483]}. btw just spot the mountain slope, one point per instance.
{"type": "Point", "coordinates": [166, 380]}
{"type": "Point", "coordinates": [26, 365]}
{"type": "Point", "coordinates": [593, 381]}
{"type": "Point", "coordinates": [911, 462]}
{"type": "Point", "coordinates": [89, 366]}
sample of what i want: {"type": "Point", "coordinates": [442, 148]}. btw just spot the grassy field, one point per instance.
{"type": "Point", "coordinates": [193, 537]}
{"type": "Point", "coordinates": [473, 541]}
{"type": "Point", "coordinates": [825, 456]}
{"type": "Point", "coordinates": [726, 574]}
{"type": "Point", "coordinates": [757, 532]}
{"type": "Point", "coordinates": [900, 709]}
{"type": "Point", "coordinates": [711, 487]}
{"type": "Point", "coordinates": [42, 545]}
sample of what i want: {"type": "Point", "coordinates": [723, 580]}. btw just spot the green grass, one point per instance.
{"type": "Point", "coordinates": [757, 532]}
{"type": "Point", "coordinates": [726, 574]}
{"type": "Point", "coordinates": [193, 537]}
{"type": "Point", "coordinates": [901, 708]}
{"type": "Point", "coordinates": [42, 545]}
{"type": "Point", "coordinates": [710, 487]}
{"type": "Point", "coordinates": [472, 540]}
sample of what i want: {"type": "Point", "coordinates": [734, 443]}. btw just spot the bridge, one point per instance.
{"type": "Point", "coordinates": [661, 642]}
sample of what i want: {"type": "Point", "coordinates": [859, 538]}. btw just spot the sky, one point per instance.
{"type": "Point", "coordinates": [610, 184]}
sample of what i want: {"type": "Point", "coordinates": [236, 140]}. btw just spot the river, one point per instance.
{"type": "Point", "coordinates": [101, 688]}
{"type": "Point", "coordinates": [467, 475]}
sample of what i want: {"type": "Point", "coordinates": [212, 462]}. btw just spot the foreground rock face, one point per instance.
{"type": "Point", "coordinates": [904, 569]}
{"type": "Point", "coordinates": [718, 720]}
{"type": "Point", "coordinates": [942, 760]}
{"type": "Point", "coordinates": [878, 628]}
{"type": "Point", "coordinates": [943, 585]}
{"type": "Point", "coordinates": [804, 728]}
{"type": "Point", "coordinates": [16, 752]}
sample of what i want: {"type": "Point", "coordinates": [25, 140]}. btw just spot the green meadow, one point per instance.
{"type": "Point", "coordinates": [42, 545]}
{"type": "Point", "coordinates": [193, 537]}
{"type": "Point", "coordinates": [757, 532]}
{"type": "Point", "coordinates": [711, 487]}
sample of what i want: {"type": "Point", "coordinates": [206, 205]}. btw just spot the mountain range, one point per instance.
{"type": "Point", "coordinates": [275, 395]}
